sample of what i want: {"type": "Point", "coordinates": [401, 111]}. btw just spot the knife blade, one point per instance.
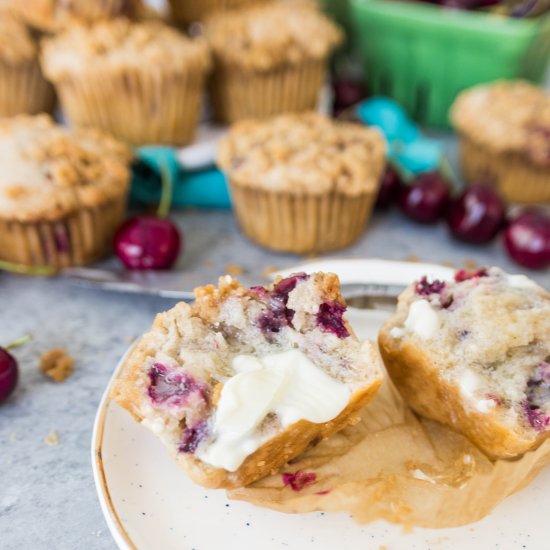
{"type": "Point", "coordinates": [179, 285]}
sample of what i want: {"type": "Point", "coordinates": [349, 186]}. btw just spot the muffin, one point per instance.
{"type": "Point", "coordinates": [243, 380]}
{"type": "Point", "coordinates": [185, 12]}
{"type": "Point", "coordinates": [23, 88]}
{"type": "Point", "coordinates": [504, 131]}
{"type": "Point", "coordinates": [474, 353]}
{"type": "Point", "coordinates": [141, 82]}
{"type": "Point", "coordinates": [53, 15]}
{"type": "Point", "coordinates": [63, 193]}
{"type": "Point", "coordinates": [302, 183]}
{"type": "Point", "coordinates": [269, 59]}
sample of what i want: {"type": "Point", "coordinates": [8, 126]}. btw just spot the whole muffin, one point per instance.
{"type": "Point", "coordinates": [504, 131]}
{"type": "Point", "coordinates": [62, 192]}
{"type": "Point", "coordinates": [53, 15]}
{"type": "Point", "coordinates": [302, 183]}
{"type": "Point", "coordinates": [185, 12]}
{"type": "Point", "coordinates": [141, 82]}
{"type": "Point", "coordinates": [269, 59]}
{"type": "Point", "coordinates": [23, 88]}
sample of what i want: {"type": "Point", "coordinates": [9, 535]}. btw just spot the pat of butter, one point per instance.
{"type": "Point", "coordinates": [423, 320]}
{"type": "Point", "coordinates": [469, 383]}
{"type": "Point", "coordinates": [287, 384]}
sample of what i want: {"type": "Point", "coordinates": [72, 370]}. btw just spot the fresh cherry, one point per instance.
{"type": "Point", "coordinates": [347, 92]}
{"type": "Point", "coordinates": [389, 190]}
{"type": "Point", "coordinates": [147, 242]}
{"type": "Point", "coordinates": [426, 198]}
{"type": "Point", "coordinates": [477, 215]}
{"type": "Point", "coordinates": [527, 239]}
{"type": "Point", "coordinates": [9, 374]}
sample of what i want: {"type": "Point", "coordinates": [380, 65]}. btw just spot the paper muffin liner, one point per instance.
{"type": "Point", "coordinates": [517, 179]}
{"type": "Point", "coordinates": [185, 12]}
{"type": "Point", "coordinates": [24, 90]}
{"type": "Point", "coordinates": [239, 94]}
{"type": "Point", "coordinates": [137, 106]}
{"type": "Point", "coordinates": [288, 222]}
{"type": "Point", "coordinates": [77, 239]}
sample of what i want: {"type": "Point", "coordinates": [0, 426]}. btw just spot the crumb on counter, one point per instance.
{"type": "Point", "coordinates": [412, 258]}
{"type": "Point", "coordinates": [470, 265]}
{"type": "Point", "coordinates": [56, 364]}
{"type": "Point", "coordinates": [52, 439]}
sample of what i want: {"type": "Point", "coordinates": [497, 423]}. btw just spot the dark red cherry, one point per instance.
{"type": "Point", "coordinates": [426, 198]}
{"type": "Point", "coordinates": [527, 239]}
{"type": "Point", "coordinates": [9, 374]}
{"type": "Point", "coordinates": [477, 215]}
{"type": "Point", "coordinates": [389, 190]}
{"type": "Point", "coordinates": [147, 242]}
{"type": "Point", "coordinates": [347, 92]}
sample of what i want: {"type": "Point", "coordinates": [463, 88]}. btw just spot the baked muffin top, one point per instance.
{"type": "Point", "coordinates": [121, 44]}
{"type": "Point", "coordinates": [49, 171]}
{"type": "Point", "coordinates": [51, 15]}
{"type": "Point", "coordinates": [304, 153]}
{"type": "Point", "coordinates": [507, 116]}
{"type": "Point", "coordinates": [17, 44]}
{"type": "Point", "coordinates": [265, 36]}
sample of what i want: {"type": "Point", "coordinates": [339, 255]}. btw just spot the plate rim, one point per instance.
{"type": "Point", "coordinates": [119, 533]}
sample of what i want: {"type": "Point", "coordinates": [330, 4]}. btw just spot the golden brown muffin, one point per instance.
{"type": "Point", "coordinates": [243, 380]}
{"type": "Point", "coordinates": [23, 88]}
{"type": "Point", "coordinates": [185, 12]}
{"type": "Point", "coordinates": [62, 193]}
{"type": "Point", "coordinates": [302, 183]}
{"type": "Point", "coordinates": [269, 59]}
{"type": "Point", "coordinates": [141, 82]}
{"type": "Point", "coordinates": [504, 131]}
{"type": "Point", "coordinates": [53, 15]}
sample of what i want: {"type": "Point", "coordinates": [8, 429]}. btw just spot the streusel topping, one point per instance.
{"type": "Point", "coordinates": [265, 36]}
{"type": "Point", "coordinates": [16, 42]}
{"type": "Point", "coordinates": [121, 44]}
{"type": "Point", "coordinates": [305, 153]}
{"type": "Point", "coordinates": [506, 116]}
{"type": "Point", "coordinates": [49, 171]}
{"type": "Point", "coordinates": [52, 15]}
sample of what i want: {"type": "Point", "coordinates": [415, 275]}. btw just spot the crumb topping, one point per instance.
{"type": "Point", "coordinates": [265, 36]}
{"type": "Point", "coordinates": [56, 364]}
{"type": "Point", "coordinates": [507, 116]}
{"type": "Point", "coordinates": [50, 170]}
{"type": "Point", "coordinates": [305, 153]}
{"type": "Point", "coordinates": [121, 44]}
{"type": "Point", "coordinates": [56, 14]}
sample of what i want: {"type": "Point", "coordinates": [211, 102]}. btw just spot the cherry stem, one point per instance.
{"type": "Point", "coordinates": [402, 172]}
{"type": "Point", "coordinates": [447, 171]}
{"type": "Point", "coordinates": [166, 191]}
{"type": "Point", "coordinates": [19, 342]}
{"type": "Point", "coordinates": [44, 270]}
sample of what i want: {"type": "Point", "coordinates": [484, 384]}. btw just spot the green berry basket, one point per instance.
{"type": "Point", "coordinates": [422, 55]}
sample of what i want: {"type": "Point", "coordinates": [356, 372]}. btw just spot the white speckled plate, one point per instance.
{"type": "Point", "coordinates": [149, 504]}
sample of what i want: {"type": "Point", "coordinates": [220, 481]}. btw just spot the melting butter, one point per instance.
{"type": "Point", "coordinates": [423, 320]}
{"type": "Point", "coordinates": [288, 384]}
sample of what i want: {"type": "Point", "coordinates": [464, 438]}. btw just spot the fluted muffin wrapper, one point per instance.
{"type": "Point", "coordinates": [239, 94]}
{"type": "Point", "coordinates": [301, 223]}
{"type": "Point", "coordinates": [140, 106]}
{"type": "Point", "coordinates": [515, 177]}
{"type": "Point", "coordinates": [76, 239]}
{"type": "Point", "coordinates": [24, 90]}
{"type": "Point", "coordinates": [396, 466]}
{"type": "Point", "coordinates": [184, 12]}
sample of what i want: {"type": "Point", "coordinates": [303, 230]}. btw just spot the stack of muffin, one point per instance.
{"type": "Point", "coordinates": [118, 68]}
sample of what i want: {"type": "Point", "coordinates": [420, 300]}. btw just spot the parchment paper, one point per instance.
{"type": "Point", "coordinates": [394, 466]}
